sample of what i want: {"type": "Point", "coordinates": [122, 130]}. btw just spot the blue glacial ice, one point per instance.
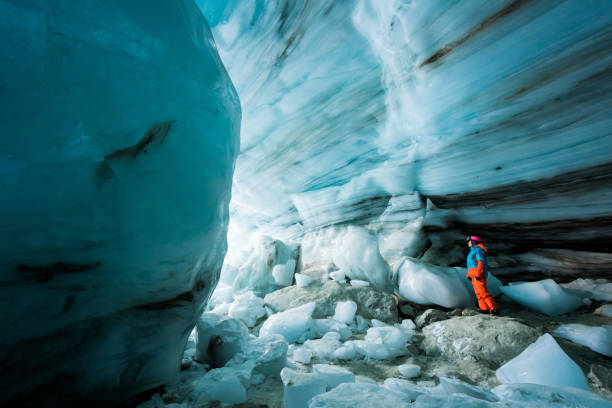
{"type": "Point", "coordinates": [120, 131]}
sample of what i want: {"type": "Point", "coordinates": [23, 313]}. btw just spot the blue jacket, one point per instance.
{"type": "Point", "coordinates": [477, 253]}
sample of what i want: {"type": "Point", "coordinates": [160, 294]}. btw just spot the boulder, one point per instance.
{"type": "Point", "coordinates": [601, 377]}
{"type": "Point", "coordinates": [407, 310]}
{"type": "Point", "coordinates": [371, 303]}
{"type": "Point", "coordinates": [488, 340]}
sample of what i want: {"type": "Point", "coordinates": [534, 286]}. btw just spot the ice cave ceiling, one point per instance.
{"type": "Point", "coordinates": [496, 110]}
{"type": "Point", "coordinates": [419, 120]}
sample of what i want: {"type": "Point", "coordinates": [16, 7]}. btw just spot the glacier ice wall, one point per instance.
{"type": "Point", "coordinates": [120, 129]}
{"type": "Point", "coordinates": [496, 113]}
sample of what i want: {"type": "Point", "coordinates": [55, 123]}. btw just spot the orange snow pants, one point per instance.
{"type": "Point", "coordinates": [485, 300]}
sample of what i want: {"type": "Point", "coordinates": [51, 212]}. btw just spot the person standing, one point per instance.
{"type": "Point", "coordinates": [477, 267]}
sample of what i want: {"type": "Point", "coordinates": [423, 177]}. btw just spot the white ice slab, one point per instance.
{"type": "Point", "coordinates": [538, 395]}
{"type": "Point", "coordinates": [299, 387]}
{"type": "Point", "coordinates": [429, 284]}
{"type": "Point", "coordinates": [333, 375]}
{"type": "Point", "coordinates": [598, 339]}
{"type": "Point", "coordinates": [345, 311]}
{"type": "Point", "coordinates": [544, 296]}
{"type": "Point", "coordinates": [302, 355]}
{"type": "Point", "coordinates": [543, 362]}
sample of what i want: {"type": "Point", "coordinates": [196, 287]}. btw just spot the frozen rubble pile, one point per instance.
{"type": "Point", "coordinates": [311, 359]}
{"type": "Point", "coordinates": [309, 347]}
{"type": "Point", "coordinates": [262, 266]}
{"type": "Point", "coordinates": [598, 339]}
{"type": "Point", "coordinates": [545, 296]}
{"type": "Point", "coordinates": [543, 362]}
{"type": "Point", "coordinates": [371, 303]}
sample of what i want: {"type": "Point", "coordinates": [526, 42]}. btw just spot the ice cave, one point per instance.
{"type": "Point", "coordinates": [265, 203]}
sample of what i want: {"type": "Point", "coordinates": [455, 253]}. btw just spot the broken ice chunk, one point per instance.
{"type": "Point", "coordinates": [324, 348]}
{"type": "Point", "coordinates": [598, 339]}
{"type": "Point", "coordinates": [544, 296]}
{"type": "Point", "coordinates": [538, 395]}
{"type": "Point", "coordinates": [409, 370]}
{"type": "Point", "coordinates": [338, 276]}
{"type": "Point", "coordinates": [322, 326]}
{"type": "Point", "coordinates": [357, 282]}
{"type": "Point", "coordinates": [383, 343]}
{"type": "Point", "coordinates": [450, 386]}
{"type": "Point", "coordinates": [406, 324]}
{"type": "Point", "coordinates": [248, 308]}
{"type": "Point", "coordinates": [227, 384]}
{"type": "Point", "coordinates": [302, 280]}
{"type": "Point", "coordinates": [333, 375]}
{"type": "Point", "coordinates": [222, 309]}
{"type": "Point", "coordinates": [428, 284]}
{"type": "Point", "coordinates": [295, 325]}
{"type": "Point", "coordinates": [345, 352]}
{"type": "Point", "coordinates": [219, 338]}
{"type": "Point", "coordinates": [378, 323]}
{"type": "Point", "coordinates": [269, 354]}
{"type": "Point", "coordinates": [302, 355]}
{"type": "Point", "coordinates": [283, 274]}
{"type": "Point", "coordinates": [299, 388]}
{"type": "Point", "coordinates": [345, 311]}
{"type": "Point", "coordinates": [600, 289]}
{"type": "Point", "coordinates": [543, 362]}
{"type": "Point", "coordinates": [362, 323]}
{"type": "Point", "coordinates": [410, 390]}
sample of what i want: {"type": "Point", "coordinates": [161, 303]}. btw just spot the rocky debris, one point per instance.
{"type": "Point", "coordinates": [371, 303]}
{"type": "Point", "coordinates": [430, 316]}
{"type": "Point", "coordinates": [601, 378]}
{"type": "Point", "coordinates": [485, 339]}
{"type": "Point", "coordinates": [407, 310]}
{"type": "Point", "coordinates": [469, 312]}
